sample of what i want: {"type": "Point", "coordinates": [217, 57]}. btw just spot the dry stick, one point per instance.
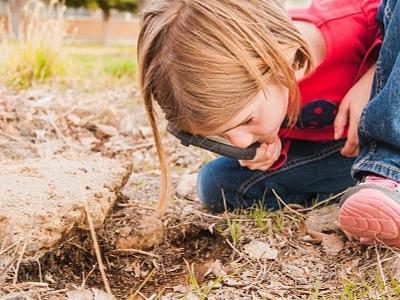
{"type": "Point", "coordinates": [241, 255]}
{"type": "Point", "coordinates": [98, 254]}
{"type": "Point", "coordinates": [142, 284]}
{"type": "Point", "coordinates": [129, 250]}
{"type": "Point", "coordinates": [378, 257]}
{"type": "Point", "coordinates": [84, 279]}
{"type": "Point", "coordinates": [141, 146]}
{"type": "Point", "coordinates": [17, 242]}
{"type": "Point", "coordinates": [322, 202]}
{"type": "Point", "coordinates": [40, 270]}
{"type": "Point", "coordinates": [19, 262]}
{"type": "Point", "coordinates": [207, 215]}
{"type": "Point", "coordinates": [288, 207]}
{"type": "Point", "coordinates": [61, 135]}
{"type": "Point", "coordinates": [375, 263]}
{"type": "Point", "coordinates": [5, 269]}
{"type": "Point", "coordinates": [14, 139]}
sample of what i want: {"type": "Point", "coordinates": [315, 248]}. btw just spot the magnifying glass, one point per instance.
{"type": "Point", "coordinates": [214, 144]}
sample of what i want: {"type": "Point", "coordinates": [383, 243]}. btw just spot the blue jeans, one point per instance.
{"type": "Point", "coordinates": [313, 170]}
{"type": "Point", "coordinates": [379, 129]}
{"type": "Point", "coordinates": [318, 169]}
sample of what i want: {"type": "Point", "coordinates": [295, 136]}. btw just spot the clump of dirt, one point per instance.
{"type": "Point", "coordinates": [163, 267]}
{"type": "Point", "coordinates": [148, 234]}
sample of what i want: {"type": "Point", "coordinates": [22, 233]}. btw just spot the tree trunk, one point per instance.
{"type": "Point", "coordinates": [15, 15]}
{"type": "Point", "coordinates": [106, 19]}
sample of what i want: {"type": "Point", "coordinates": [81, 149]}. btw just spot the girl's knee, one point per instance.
{"type": "Point", "coordinates": [210, 187]}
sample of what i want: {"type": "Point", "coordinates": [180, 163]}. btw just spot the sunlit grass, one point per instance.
{"type": "Point", "coordinates": [40, 53]}
{"type": "Point", "coordinates": [37, 54]}
{"type": "Point", "coordinates": [98, 62]}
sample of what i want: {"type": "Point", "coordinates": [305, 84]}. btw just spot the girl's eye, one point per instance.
{"type": "Point", "coordinates": [248, 121]}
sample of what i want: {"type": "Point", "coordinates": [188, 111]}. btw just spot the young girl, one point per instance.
{"type": "Point", "coordinates": [250, 72]}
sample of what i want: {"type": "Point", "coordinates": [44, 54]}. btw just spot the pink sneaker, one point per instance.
{"type": "Point", "coordinates": [371, 211]}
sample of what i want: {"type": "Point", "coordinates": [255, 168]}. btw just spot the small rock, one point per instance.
{"type": "Point", "coordinates": [105, 131]}
{"type": "Point", "coordinates": [180, 289]}
{"type": "Point", "coordinates": [92, 294]}
{"type": "Point", "coordinates": [323, 219]}
{"type": "Point", "coordinates": [217, 268]}
{"type": "Point", "coordinates": [260, 250]}
{"type": "Point", "coordinates": [80, 295]}
{"type": "Point", "coordinates": [75, 120]}
{"type": "Point", "coordinates": [331, 243]}
{"type": "Point", "coordinates": [234, 283]}
{"type": "Point", "coordinates": [187, 185]}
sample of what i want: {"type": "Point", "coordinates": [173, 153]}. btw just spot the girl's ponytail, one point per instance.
{"type": "Point", "coordinates": [148, 47]}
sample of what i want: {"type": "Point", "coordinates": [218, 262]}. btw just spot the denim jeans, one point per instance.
{"type": "Point", "coordinates": [318, 169]}
{"type": "Point", "coordinates": [379, 129]}
{"type": "Point", "coordinates": [313, 170]}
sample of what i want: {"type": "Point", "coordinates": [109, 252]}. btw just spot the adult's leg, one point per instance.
{"type": "Point", "coordinates": [311, 169]}
{"type": "Point", "coordinates": [371, 211]}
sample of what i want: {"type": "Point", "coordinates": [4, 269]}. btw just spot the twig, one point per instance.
{"type": "Point", "coordinates": [64, 138]}
{"type": "Point", "coordinates": [141, 146]}
{"type": "Point", "coordinates": [17, 242]}
{"type": "Point", "coordinates": [207, 215]}
{"type": "Point", "coordinates": [137, 251]}
{"type": "Point", "coordinates": [28, 284]}
{"type": "Point", "coordinates": [98, 254]}
{"type": "Point", "coordinates": [40, 270]}
{"type": "Point", "coordinates": [375, 263]}
{"type": "Point", "coordinates": [5, 269]}
{"type": "Point", "coordinates": [19, 262]}
{"type": "Point", "coordinates": [322, 202]}
{"type": "Point", "coordinates": [14, 139]}
{"type": "Point", "coordinates": [139, 205]}
{"type": "Point", "coordinates": [84, 279]}
{"type": "Point", "coordinates": [241, 255]}
{"type": "Point", "coordinates": [378, 257]}
{"type": "Point", "coordinates": [284, 204]}
{"type": "Point", "coordinates": [131, 297]}
{"type": "Point", "coordinates": [59, 133]}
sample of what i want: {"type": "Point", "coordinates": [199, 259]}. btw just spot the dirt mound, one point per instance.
{"type": "Point", "coordinates": [42, 200]}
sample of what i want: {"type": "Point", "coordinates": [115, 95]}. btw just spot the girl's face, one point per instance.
{"type": "Point", "coordinates": [260, 121]}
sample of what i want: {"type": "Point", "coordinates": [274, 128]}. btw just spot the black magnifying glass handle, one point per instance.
{"type": "Point", "coordinates": [217, 147]}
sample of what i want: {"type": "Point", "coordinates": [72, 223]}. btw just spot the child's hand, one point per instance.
{"type": "Point", "coordinates": [350, 110]}
{"type": "Point", "coordinates": [266, 156]}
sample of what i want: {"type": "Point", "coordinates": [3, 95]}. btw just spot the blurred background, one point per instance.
{"type": "Point", "coordinates": [41, 40]}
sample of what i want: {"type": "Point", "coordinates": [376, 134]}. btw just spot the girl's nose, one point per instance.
{"type": "Point", "coordinates": [239, 138]}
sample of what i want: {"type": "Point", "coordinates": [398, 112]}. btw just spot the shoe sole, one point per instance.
{"type": "Point", "coordinates": [371, 213]}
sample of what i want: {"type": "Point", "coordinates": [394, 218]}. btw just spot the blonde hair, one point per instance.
{"type": "Point", "coordinates": [203, 61]}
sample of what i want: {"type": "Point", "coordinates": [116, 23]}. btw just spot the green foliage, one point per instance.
{"type": "Point", "coordinates": [27, 64]}
{"type": "Point", "coordinates": [114, 62]}
{"type": "Point", "coordinates": [120, 67]}
{"type": "Point", "coordinates": [37, 54]}
{"type": "Point", "coordinates": [260, 215]}
{"type": "Point", "coordinates": [202, 291]}
{"type": "Point", "coordinates": [234, 230]}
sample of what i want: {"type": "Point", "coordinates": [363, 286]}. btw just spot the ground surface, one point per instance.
{"type": "Point", "coordinates": [42, 200]}
{"type": "Point", "coordinates": [195, 255]}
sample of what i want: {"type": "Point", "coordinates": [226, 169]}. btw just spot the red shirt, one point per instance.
{"type": "Point", "coordinates": [352, 39]}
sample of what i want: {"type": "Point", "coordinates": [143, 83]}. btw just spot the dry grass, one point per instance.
{"type": "Point", "coordinates": [37, 55]}
{"type": "Point", "coordinates": [40, 54]}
